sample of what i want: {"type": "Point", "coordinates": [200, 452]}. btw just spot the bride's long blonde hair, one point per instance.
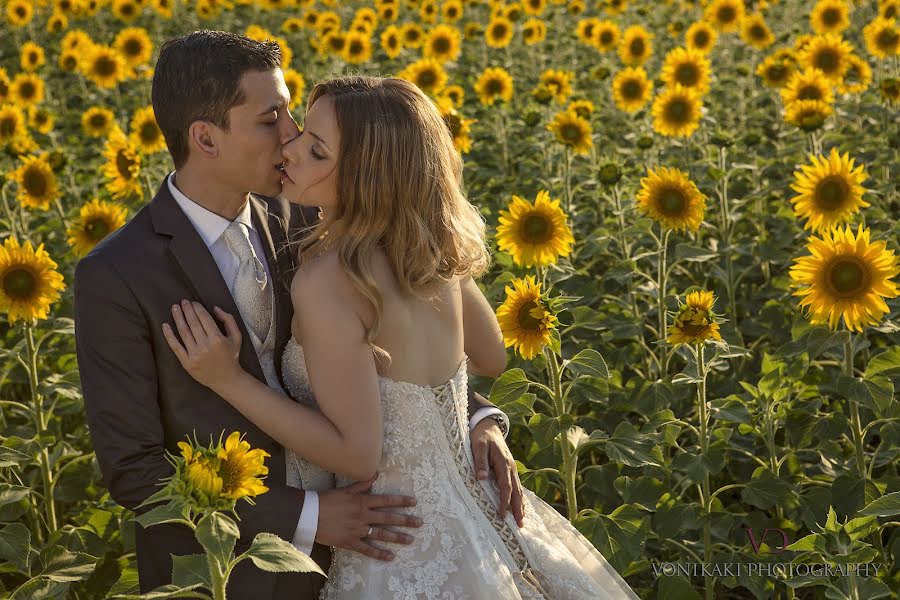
{"type": "Point", "coordinates": [399, 187]}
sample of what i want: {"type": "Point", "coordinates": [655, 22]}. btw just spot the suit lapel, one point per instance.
{"type": "Point", "coordinates": [200, 268]}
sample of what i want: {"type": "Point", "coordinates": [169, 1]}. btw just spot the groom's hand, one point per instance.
{"type": "Point", "coordinates": [346, 515]}
{"type": "Point", "coordinates": [489, 448]}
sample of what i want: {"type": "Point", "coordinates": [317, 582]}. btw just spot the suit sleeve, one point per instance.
{"type": "Point", "coordinates": [120, 388]}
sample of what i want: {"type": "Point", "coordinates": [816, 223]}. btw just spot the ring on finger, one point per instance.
{"type": "Point", "coordinates": [369, 532]}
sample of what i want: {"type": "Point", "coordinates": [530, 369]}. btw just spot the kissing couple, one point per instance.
{"type": "Point", "coordinates": [313, 288]}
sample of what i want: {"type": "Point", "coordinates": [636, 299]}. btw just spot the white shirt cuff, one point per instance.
{"type": "Point", "coordinates": [305, 534]}
{"type": "Point", "coordinates": [483, 413]}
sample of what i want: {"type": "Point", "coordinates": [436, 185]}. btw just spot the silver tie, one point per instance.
{"type": "Point", "coordinates": [250, 290]}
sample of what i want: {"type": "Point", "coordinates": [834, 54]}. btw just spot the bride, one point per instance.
{"type": "Point", "coordinates": [387, 322]}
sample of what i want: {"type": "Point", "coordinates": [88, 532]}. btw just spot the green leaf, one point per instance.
{"type": "Point", "coordinates": [10, 457]}
{"type": "Point", "coordinates": [876, 392]}
{"type": "Point", "coordinates": [886, 506]}
{"type": "Point", "coordinates": [190, 569]}
{"type": "Point", "coordinates": [509, 387]}
{"type": "Point", "coordinates": [813, 542]}
{"type": "Point", "coordinates": [544, 429]}
{"type": "Point", "coordinates": [631, 447]}
{"type": "Point", "coordinates": [589, 362]}
{"type": "Point", "coordinates": [861, 527]}
{"type": "Point", "coordinates": [13, 501]}
{"type": "Point", "coordinates": [218, 534]}
{"type": "Point", "coordinates": [165, 592]}
{"type": "Point", "coordinates": [729, 409]}
{"type": "Point", "coordinates": [63, 566]}
{"type": "Point", "coordinates": [676, 587]}
{"type": "Point", "coordinates": [40, 588]}
{"type": "Point", "coordinates": [271, 553]}
{"type": "Point", "coordinates": [15, 544]}
{"type": "Point", "coordinates": [693, 253]}
{"type": "Point", "coordinates": [821, 339]}
{"type": "Point", "coordinates": [766, 490]}
{"type": "Point", "coordinates": [887, 363]}
{"type": "Point", "coordinates": [166, 513]}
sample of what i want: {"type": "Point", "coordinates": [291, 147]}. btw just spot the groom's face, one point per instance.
{"type": "Point", "coordinates": [250, 151]}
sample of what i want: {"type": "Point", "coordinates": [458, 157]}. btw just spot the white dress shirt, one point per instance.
{"type": "Point", "coordinates": [211, 226]}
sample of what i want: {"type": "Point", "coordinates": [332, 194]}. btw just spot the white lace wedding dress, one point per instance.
{"type": "Point", "coordinates": [464, 550]}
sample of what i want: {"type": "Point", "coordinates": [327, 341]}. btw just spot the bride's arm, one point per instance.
{"type": "Point", "coordinates": [346, 436]}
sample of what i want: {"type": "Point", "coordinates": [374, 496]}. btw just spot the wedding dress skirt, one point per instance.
{"type": "Point", "coordinates": [464, 550]}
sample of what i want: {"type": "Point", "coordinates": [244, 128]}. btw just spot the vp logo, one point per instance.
{"type": "Point", "coordinates": [785, 542]}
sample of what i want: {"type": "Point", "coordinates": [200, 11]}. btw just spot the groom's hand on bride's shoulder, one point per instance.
{"type": "Point", "coordinates": [352, 518]}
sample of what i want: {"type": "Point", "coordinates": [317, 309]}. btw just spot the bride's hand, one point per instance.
{"type": "Point", "coordinates": [208, 356]}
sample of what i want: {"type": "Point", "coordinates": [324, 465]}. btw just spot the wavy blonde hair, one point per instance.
{"type": "Point", "coordinates": [399, 187]}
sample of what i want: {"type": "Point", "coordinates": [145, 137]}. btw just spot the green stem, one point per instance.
{"type": "Point", "coordinates": [567, 163]}
{"type": "Point", "coordinates": [569, 460]}
{"type": "Point", "coordinates": [704, 447]}
{"type": "Point", "coordinates": [40, 420]}
{"type": "Point", "coordinates": [661, 302]}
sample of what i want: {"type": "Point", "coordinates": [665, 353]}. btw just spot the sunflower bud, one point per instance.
{"type": "Point", "coordinates": [600, 73]}
{"type": "Point", "coordinates": [542, 94]}
{"type": "Point", "coordinates": [609, 174]}
{"type": "Point", "coordinates": [722, 139]}
{"type": "Point", "coordinates": [645, 142]}
{"type": "Point", "coordinates": [532, 118]}
{"type": "Point", "coordinates": [57, 160]}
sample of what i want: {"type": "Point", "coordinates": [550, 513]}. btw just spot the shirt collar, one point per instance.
{"type": "Point", "coordinates": [208, 224]}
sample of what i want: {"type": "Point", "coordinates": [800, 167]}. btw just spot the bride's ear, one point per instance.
{"type": "Point", "coordinates": [202, 139]}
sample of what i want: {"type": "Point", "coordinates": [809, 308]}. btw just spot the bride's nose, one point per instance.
{"type": "Point", "coordinates": [289, 150]}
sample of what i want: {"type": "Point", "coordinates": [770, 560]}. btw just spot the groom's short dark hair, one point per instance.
{"type": "Point", "coordinates": [197, 78]}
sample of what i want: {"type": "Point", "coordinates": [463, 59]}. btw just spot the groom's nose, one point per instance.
{"type": "Point", "coordinates": [288, 129]}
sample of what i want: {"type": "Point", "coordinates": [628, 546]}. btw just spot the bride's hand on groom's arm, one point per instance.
{"type": "Point", "coordinates": [347, 514]}
{"type": "Point", "coordinates": [205, 353]}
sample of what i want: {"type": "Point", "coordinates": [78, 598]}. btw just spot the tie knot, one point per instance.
{"type": "Point", "coordinates": [238, 240]}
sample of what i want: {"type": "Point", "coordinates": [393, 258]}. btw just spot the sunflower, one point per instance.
{"type": "Point", "coordinates": [830, 16]}
{"type": "Point", "coordinates": [677, 111]}
{"type": "Point", "coordinates": [31, 57]}
{"type": "Point", "coordinates": [857, 78]}
{"type": "Point", "coordinates": [755, 32]}
{"type": "Point", "coordinates": [97, 121]}
{"type": "Point", "coordinates": [333, 43]}
{"type": "Point", "coordinates": [606, 36]}
{"type": "Point", "coordinates": [126, 10]}
{"type": "Point", "coordinates": [494, 84]}
{"type": "Point", "coordinates": [426, 73]}
{"type": "Point", "coordinates": [29, 281]}
{"type": "Point", "coordinates": [104, 66]}
{"type": "Point", "coordinates": [775, 71]}
{"type": "Point", "coordinates": [585, 30]}
{"type": "Point", "coordinates": [830, 191]}
{"type": "Point", "coordinates": [559, 83]}
{"type": "Point", "coordinates": [133, 44]}
{"type": "Point", "coordinates": [459, 127]}
{"type": "Point", "coordinates": [809, 84]}
{"type": "Point", "coordinates": [296, 84]}
{"type": "Point", "coordinates": [26, 89]}
{"type": "Point", "coordinates": [695, 322]}
{"type": "Point", "coordinates": [123, 166]}
{"type": "Point", "coordinates": [19, 12]}
{"type": "Point", "coordinates": [573, 131]}
{"type": "Point", "coordinates": [499, 32]}
{"type": "Point", "coordinates": [534, 31]}
{"type": "Point", "coordinates": [636, 45]}
{"type": "Point", "coordinates": [77, 39]}
{"type": "Point", "coordinates": [40, 119]}
{"type": "Point", "coordinates": [525, 318]}
{"type": "Point", "coordinates": [582, 108]}
{"type": "Point", "coordinates": [392, 41]}
{"type": "Point", "coordinates": [534, 8]}
{"type": "Point", "coordinates": [36, 182]}
{"type": "Point", "coordinates": [689, 68]}
{"type": "Point", "coordinates": [357, 48]}
{"type": "Point", "coordinates": [163, 7]}
{"type": "Point", "coordinates": [725, 15]}
{"type": "Point", "coordinates": [69, 60]}
{"type": "Point", "coordinates": [368, 16]}
{"type": "Point", "coordinates": [882, 38]}
{"type": "Point", "coordinates": [12, 124]}
{"type": "Point", "coordinates": [428, 11]}
{"type": "Point", "coordinates": [4, 85]}
{"type": "Point", "coordinates": [889, 9]}
{"type": "Point", "coordinates": [96, 220]}
{"type": "Point", "coordinates": [808, 115]}
{"type": "Point", "coordinates": [534, 234]}
{"type": "Point", "coordinates": [846, 276]}
{"type": "Point", "coordinates": [670, 197]}
{"type": "Point", "coordinates": [472, 30]}
{"type": "Point", "coordinates": [241, 468]}
{"type": "Point", "coordinates": [145, 133]}
{"type": "Point", "coordinates": [828, 53]}
{"type": "Point", "coordinates": [413, 36]}
{"type": "Point", "coordinates": [700, 36]}
{"type": "Point", "coordinates": [576, 7]}
{"type": "Point", "coordinates": [57, 22]}
{"type": "Point", "coordinates": [631, 89]}
{"type": "Point", "coordinates": [388, 12]}
{"type": "Point", "coordinates": [615, 7]}
{"type": "Point", "coordinates": [442, 43]}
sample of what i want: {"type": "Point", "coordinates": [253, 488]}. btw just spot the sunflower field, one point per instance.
{"type": "Point", "coordinates": [693, 208]}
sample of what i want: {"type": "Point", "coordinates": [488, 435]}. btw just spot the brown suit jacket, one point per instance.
{"type": "Point", "coordinates": [140, 402]}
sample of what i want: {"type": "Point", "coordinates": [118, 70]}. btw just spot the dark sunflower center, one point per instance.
{"type": "Point", "coordinates": [133, 47]}
{"type": "Point", "coordinates": [632, 89]}
{"type": "Point", "coordinates": [777, 72]}
{"type": "Point", "coordinates": [19, 284]}
{"type": "Point", "coordinates": [69, 63]}
{"type": "Point", "coordinates": [124, 164]}
{"type": "Point", "coordinates": [726, 15]}
{"type": "Point", "coordinates": [678, 110]}
{"type": "Point", "coordinates": [831, 17]}
{"type": "Point", "coordinates": [96, 229]}
{"type": "Point", "coordinates": [701, 39]}
{"type": "Point", "coordinates": [454, 123]}
{"type": "Point", "coordinates": [149, 132]}
{"type": "Point", "coordinates": [890, 12]}
{"type": "Point", "coordinates": [693, 321]}
{"type": "Point", "coordinates": [810, 92]}
{"type": "Point", "coordinates": [35, 182]}
{"type": "Point", "coordinates": [589, 30]}
{"type": "Point", "coordinates": [127, 9]}
{"type": "Point", "coordinates": [27, 90]}
{"type": "Point", "coordinates": [32, 58]}
{"type": "Point", "coordinates": [848, 276]}
{"type": "Point", "coordinates": [887, 38]}
{"type": "Point", "coordinates": [7, 127]}
{"type": "Point", "coordinates": [356, 48]}
{"type": "Point", "coordinates": [427, 78]}
{"type": "Point", "coordinates": [827, 60]}
{"type": "Point", "coordinates": [536, 229]}
{"type": "Point", "coordinates": [526, 321]}
{"type": "Point", "coordinates": [671, 202]}
{"type": "Point", "coordinates": [105, 66]}
{"type": "Point", "coordinates": [832, 193]}
{"type": "Point", "coordinates": [757, 31]}
{"type": "Point", "coordinates": [441, 45]}
{"type": "Point", "coordinates": [228, 473]}
{"type": "Point", "coordinates": [606, 37]}
{"type": "Point", "coordinates": [393, 42]}
{"type": "Point", "coordinates": [571, 133]}
{"type": "Point", "coordinates": [687, 74]}
{"type": "Point", "coordinates": [337, 43]}
{"type": "Point", "coordinates": [499, 31]}
{"type": "Point", "coordinates": [636, 47]}
{"type": "Point", "coordinates": [494, 86]}
{"type": "Point", "coordinates": [97, 121]}
{"type": "Point", "coordinates": [20, 12]}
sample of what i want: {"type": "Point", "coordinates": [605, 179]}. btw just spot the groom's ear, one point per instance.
{"type": "Point", "coordinates": [203, 139]}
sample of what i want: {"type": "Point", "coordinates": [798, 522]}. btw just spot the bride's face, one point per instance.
{"type": "Point", "coordinates": [310, 159]}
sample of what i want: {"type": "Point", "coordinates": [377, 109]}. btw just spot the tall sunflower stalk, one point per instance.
{"type": "Point", "coordinates": [206, 485]}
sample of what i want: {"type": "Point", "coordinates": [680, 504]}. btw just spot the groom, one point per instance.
{"type": "Point", "coordinates": [222, 105]}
